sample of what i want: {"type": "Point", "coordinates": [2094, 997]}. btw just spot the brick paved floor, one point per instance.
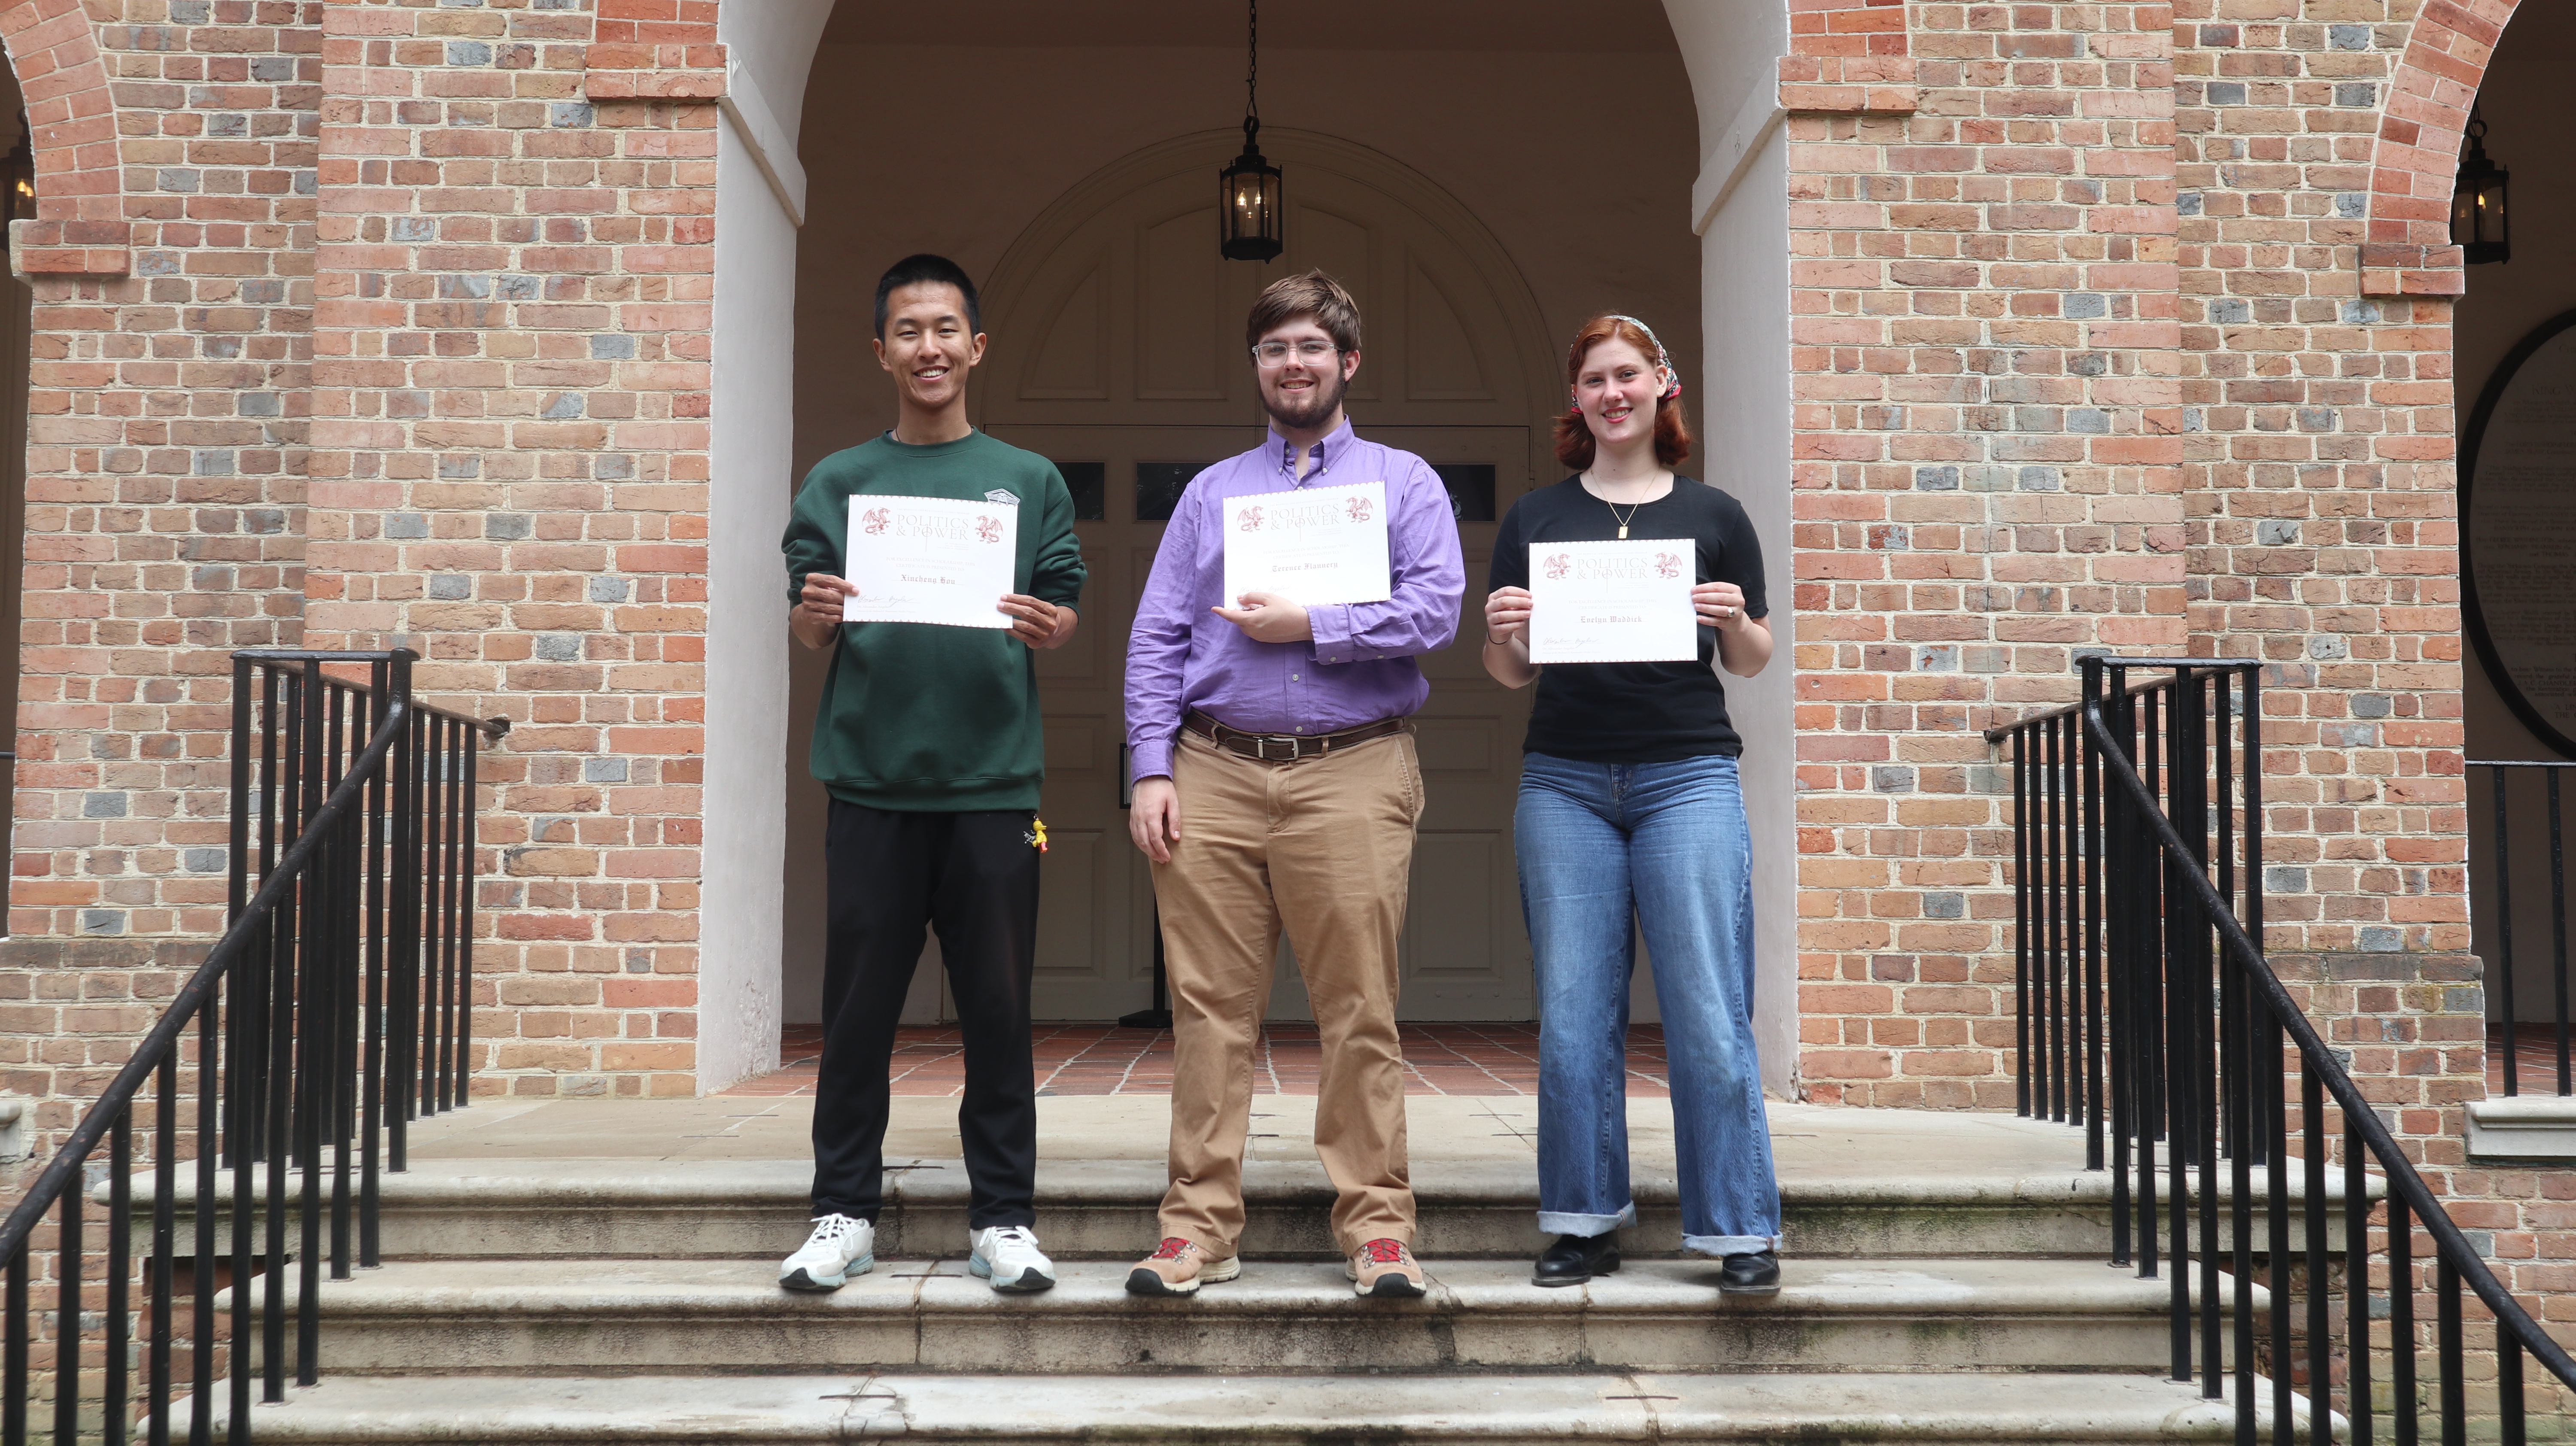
{"type": "Point", "coordinates": [1102, 1059]}
{"type": "Point", "coordinates": [2535, 1058]}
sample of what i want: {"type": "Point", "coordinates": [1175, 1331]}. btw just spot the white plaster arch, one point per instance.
{"type": "Point", "coordinates": [1731, 50]}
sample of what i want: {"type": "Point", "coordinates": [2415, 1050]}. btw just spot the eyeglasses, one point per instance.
{"type": "Point", "coordinates": [1275, 353]}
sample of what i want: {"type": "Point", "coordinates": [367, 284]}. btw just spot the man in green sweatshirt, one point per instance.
{"type": "Point", "coordinates": [929, 741]}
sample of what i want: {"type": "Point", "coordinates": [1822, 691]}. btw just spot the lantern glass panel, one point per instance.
{"type": "Point", "coordinates": [1250, 199]}
{"type": "Point", "coordinates": [2480, 226]}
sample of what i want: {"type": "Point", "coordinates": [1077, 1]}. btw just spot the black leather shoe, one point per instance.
{"type": "Point", "coordinates": [1574, 1259]}
{"type": "Point", "coordinates": [1755, 1274]}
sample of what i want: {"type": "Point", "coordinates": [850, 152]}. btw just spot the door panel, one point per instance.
{"type": "Point", "coordinates": [1118, 341]}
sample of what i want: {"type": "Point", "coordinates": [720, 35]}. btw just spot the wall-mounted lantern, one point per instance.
{"type": "Point", "coordinates": [2478, 221]}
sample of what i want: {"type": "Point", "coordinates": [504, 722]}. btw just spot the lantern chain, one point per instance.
{"type": "Point", "coordinates": [1252, 68]}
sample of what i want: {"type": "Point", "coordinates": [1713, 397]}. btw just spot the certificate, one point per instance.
{"type": "Point", "coordinates": [929, 560]}
{"type": "Point", "coordinates": [1314, 545]}
{"type": "Point", "coordinates": [1611, 602]}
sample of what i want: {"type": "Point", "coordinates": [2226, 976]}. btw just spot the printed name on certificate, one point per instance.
{"type": "Point", "coordinates": [1612, 602]}
{"type": "Point", "coordinates": [1313, 545]}
{"type": "Point", "coordinates": [930, 560]}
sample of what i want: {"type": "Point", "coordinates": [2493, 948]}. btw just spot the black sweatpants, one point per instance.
{"type": "Point", "coordinates": [973, 877]}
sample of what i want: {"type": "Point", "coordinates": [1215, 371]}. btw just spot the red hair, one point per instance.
{"type": "Point", "coordinates": [1574, 433]}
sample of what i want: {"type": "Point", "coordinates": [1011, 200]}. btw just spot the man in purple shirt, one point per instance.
{"type": "Point", "coordinates": [1276, 786]}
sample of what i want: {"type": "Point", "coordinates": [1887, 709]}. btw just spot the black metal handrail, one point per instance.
{"type": "Point", "coordinates": [2149, 1016]}
{"type": "Point", "coordinates": [329, 1013]}
{"type": "Point", "coordinates": [2502, 776]}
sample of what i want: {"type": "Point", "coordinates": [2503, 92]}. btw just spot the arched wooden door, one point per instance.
{"type": "Point", "coordinates": [1119, 352]}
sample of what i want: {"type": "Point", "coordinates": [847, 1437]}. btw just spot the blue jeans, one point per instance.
{"type": "Point", "coordinates": [1664, 843]}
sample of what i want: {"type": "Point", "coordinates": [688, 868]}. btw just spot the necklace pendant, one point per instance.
{"type": "Point", "coordinates": [1623, 532]}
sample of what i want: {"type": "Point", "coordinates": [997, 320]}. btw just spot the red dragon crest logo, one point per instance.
{"type": "Point", "coordinates": [989, 529]}
{"type": "Point", "coordinates": [1360, 509]}
{"type": "Point", "coordinates": [1556, 566]}
{"type": "Point", "coordinates": [1667, 565]}
{"type": "Point", "coordinates": [1251, 520]}
{"type": "Point", "coordinates": [874, 522]}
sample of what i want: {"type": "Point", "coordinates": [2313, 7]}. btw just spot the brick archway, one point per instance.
{"type": "Point", "coordinates": [2407, 249]}
{"type": "Point", "coordinates": [80, 226]}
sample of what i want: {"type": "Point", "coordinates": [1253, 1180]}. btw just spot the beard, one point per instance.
{"type": "Point", "coordinates": [1316, 405]}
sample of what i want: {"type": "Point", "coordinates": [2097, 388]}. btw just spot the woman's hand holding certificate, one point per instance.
{"type": "Point", "coordinates": [1611, 602]}
{"type": "Point", "coordinates": [929, 560]}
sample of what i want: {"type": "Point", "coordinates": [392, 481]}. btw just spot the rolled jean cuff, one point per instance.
{"type": "Point", "coordinates": [1560, 1222]}
{"type": "Point", "coordinates": [1724, 1245]}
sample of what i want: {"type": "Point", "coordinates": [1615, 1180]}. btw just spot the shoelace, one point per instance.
{"type": "Point", "coordinates": [1172, 1248]}
{"type": "Point", "coordinates": [833, 1230]}
{"type": "Point", "coordinates": [1014, 1235]}
{"type": "Point", "coordinates": [1384, 1252]}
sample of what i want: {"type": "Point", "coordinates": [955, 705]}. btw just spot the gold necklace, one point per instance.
{"type": "Point", "coordinates": [1614, 510]}
{"type": "Point", "coordinates": [1622, 521]}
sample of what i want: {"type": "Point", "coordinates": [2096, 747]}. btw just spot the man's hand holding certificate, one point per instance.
{"type": "Point", "coordinates": [1611, 602]}
{"type": "Point", "coordinates": [929, 560]}
{"type": "Point", "coordinates": [1312, 546]}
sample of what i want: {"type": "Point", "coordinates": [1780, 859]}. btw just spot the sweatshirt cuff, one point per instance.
{"type": "Point", "coordinates": [1150, 759]}
{"type": "Point", "coordinates": [1330, 625]}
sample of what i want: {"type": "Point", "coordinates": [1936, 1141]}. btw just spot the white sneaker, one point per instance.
{"type": "Point", "coordinates": [839, 1248]}
{"type": "Point", "coordinates": [1008, 1256]}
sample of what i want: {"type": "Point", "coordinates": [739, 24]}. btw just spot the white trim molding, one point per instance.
{"type": "Point", "coordinates": [1745, 134]}
{"type": "Point", "coordinates": [2523, 1127]}
{"type": "Point", "coordinates": [770, 148]}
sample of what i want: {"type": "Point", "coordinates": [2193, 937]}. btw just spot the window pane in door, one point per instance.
{"type": "Point", "coordinates": [1159, 486]}
{"type": "Point", "coordinates": [1471, 489]}
{"type": "Point", "coordinates": [1089, 484]}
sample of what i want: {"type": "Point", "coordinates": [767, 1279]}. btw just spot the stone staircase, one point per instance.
{"type": "Point", "coordinates": [1944, 1280]}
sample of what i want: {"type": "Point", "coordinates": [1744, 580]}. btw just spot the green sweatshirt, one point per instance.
{"type": "Point", "coordinates": [918, 717]}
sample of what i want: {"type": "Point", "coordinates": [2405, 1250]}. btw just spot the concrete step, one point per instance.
{"type": "Point", "coordinates": [697, 1316]}
{"type": "Point", "coordinates": [986, 1410]}
{"type": "Point", "coordinates": [1105, 1210]}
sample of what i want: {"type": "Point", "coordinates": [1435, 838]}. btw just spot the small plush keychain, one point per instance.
{"type": "Point", "coordinates": [1037, 832]}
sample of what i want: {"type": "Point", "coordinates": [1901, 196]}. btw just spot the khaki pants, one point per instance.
{"type": "Point", "coordinates": [1323, 847]}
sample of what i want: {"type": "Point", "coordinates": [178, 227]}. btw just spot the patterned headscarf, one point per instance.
{"type": "Point", "coordinates": [1663, 359]}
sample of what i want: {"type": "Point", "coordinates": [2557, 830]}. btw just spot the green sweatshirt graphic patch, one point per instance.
{"type": "Point", "coordinates": [916, 717]}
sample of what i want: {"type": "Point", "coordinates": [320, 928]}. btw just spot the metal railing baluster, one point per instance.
{"type": "Point", "coordinates": [117, 1384]}
{"type": "Point", "coordinates": [2558, 927]}
{"type": "Point", "coordinates": [67, 1320]}
{"type": "Point", "coordinates": [2401, 1321]}
{"type": "Point", "coordinates": [292, 1062]}
{"type": "Point", "coordinates": [2312, 1224]}
{"type": "Point", "coordinates": [2504, 932]}
{"type": "Point", "coordinates": [161, 1285]}
{"type": "Point", "coordinates": [2197, 1043]}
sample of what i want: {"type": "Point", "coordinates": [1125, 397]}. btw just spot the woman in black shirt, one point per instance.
{"type": "Point", "coordinates": [1629, 810]}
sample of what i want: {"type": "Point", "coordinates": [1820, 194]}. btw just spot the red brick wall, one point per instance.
{"type": "Point", "coordinates": [514, 294]}
{"type": "Point", "coordinates": [2083, 361]}
{"type": "Point", "coordinates": [1983, 342]}
{"type": "Point", "coordinates": [165, 491]}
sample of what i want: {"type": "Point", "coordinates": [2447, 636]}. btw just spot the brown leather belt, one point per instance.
{"type": "Point", "coordinates": [1284, 747]}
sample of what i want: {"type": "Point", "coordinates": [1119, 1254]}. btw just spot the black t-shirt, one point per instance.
{"type": "Point", "coordinates": [1635, 712]}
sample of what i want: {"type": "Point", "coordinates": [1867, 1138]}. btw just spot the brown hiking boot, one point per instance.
{"type": "Point", "coordinates": [1180, 1267]}
{"type": "Point", "coordinates": [1385, 1268]}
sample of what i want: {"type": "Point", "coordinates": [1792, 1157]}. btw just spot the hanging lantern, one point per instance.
{"type": "Point", "coordinates": [2478, 221]}
{"type": "Point", "coordinates": [1250, 195]}
{"type": "Point", "coordinates": [1249, 203]}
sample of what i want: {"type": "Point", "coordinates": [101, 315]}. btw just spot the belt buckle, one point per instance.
{"type": "Point", "coordinates": [1264, 741]}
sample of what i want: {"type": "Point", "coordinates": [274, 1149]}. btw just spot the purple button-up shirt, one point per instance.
{"type": "Point", "coordinates": [1359, 666]}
